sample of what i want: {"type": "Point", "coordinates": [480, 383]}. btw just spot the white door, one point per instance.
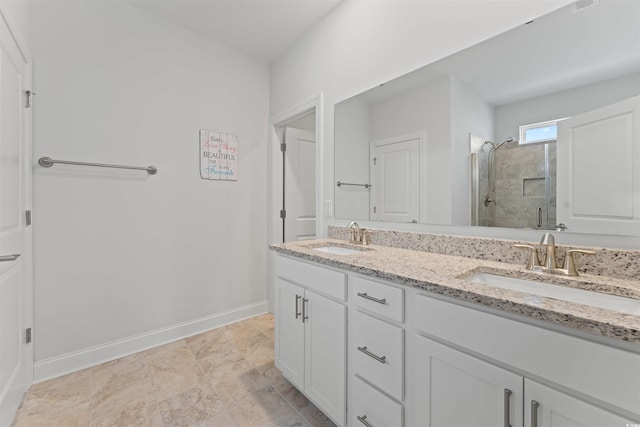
{"type": "Point", "coordinates": [598, 170]}
{"type": "Point", "coordinates": [550, 408]}
{"type": "Point", "coordinates": [395, 172]}
{"type": "Point", "coordinates": [299, 185]}
{"type": "Point", "coordinates": [325, 349]}
{"type": "Point", "coordinates": [455, 389]}
{"type": "Point", "coordinates": [16, 357]}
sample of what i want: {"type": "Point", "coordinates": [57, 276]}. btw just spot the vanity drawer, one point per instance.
{"type": "Point", "coordinates": [379, 298]}
{"type": "Point", "coordinates": [373, 407]}
{"type": "Point", "coordinates": [378, 353]}
{"type": "Point", "coordinates": [324, 280]}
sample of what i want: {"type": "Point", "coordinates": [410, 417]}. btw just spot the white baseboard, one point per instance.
{"type": "Point", "coordinates": [81, 359]}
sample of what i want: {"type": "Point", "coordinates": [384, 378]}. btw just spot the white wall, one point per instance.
{"type": "Point", "coordinates": [363, 43]}
{"type": "Point", "coordinates": [120, 253]}
{"type": "Point", "coordinates": [567, 103]}
{"type": "Point", "coordinates": [352, 160]}
{"type": "Point", "coordinates": [424, 109]}
{"type": "Point", "coordinates": [470, 114]}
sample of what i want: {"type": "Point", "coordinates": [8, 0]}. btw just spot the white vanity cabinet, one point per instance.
{"type": "Point", "coordinates": [407, 357]}
{"type": "Point", "coordinates": [489, 373]}
{"type": "Point", "coordinates": [310, 338]}
{"type": "Point", "coordinates": [455, 389]}
{"type": "Point", "coordinates": [546, 407]}
{"type": "Point", "coordinates": [376, 353]}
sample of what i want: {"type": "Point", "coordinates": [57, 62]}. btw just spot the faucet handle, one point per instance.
{"type": "Point", "coordinates": [570, 263]}
{"type": "Point", "coordinates": [533, 261]}
{"type": "Point", "coordinates": [365, 236]}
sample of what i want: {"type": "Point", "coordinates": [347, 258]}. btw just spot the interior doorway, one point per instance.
{"type": "Point", "coordinates": [299, 179]}
{"type": "Point", "coordinates": [295, 185]}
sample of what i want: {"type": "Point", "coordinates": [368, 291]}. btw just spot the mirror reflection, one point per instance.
{"type": "Point", "coordinates": [471, 139]}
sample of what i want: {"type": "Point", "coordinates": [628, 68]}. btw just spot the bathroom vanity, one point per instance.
{"type": "Point", "coordinates": [381, 336]}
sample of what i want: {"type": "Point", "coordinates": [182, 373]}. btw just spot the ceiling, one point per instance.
{"type": "Point", "coordinates": [263, 29]}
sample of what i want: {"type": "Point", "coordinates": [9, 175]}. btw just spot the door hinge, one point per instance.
{"type": "Point", "coordinates": [27, 216]}
{"type": "Point", "coordinates": [374, 161]}
{"type": "Point", "coordinates": [283, 147]}
{"type": "Point", "coordinates": [283, 213]}
{"type": "Point", "coordinates": [29, 94]}
{"type": "Point", "coordinates": [28, 336]}
{"type": "Point", "coordinates": [374, 209]}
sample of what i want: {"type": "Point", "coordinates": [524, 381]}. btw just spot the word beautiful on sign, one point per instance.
{"type": "Point", "coordinates": [218, 156]}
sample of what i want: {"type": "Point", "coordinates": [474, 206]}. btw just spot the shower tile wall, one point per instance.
{"type": "Point", "coordinates": [520, 186]}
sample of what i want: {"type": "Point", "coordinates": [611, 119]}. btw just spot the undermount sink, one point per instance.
{"type": "Point", "coordinates": [580, 296]}
{"type": "Point", "coordinates": [337, 250]}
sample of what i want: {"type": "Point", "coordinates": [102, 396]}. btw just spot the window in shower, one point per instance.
{"type": "Point", "coordinates": [539, 132]}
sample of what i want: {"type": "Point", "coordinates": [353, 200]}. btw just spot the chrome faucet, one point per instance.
{"type": "Point", "coordinates": [550, 264]}
{"type": "Point", "coordinates": [356, 233]}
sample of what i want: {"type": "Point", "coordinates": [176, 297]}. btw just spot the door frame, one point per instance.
{"type": "Point", "coordinates": [11, 401]}
{"type": "Point", "coordinates": [274, 178]}
{"type": "Point", "coordinates": [276, 125]}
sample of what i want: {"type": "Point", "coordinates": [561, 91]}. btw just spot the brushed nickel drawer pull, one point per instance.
{"type": "Point", "coordinates": [297, 310]}
{"type": "Point", "coordinates": [507, 415]}
{"type": "Point", "coordinates": [304, 309]}
{"type": "Point", "coordinates": [9, 257]}
{"type": "Point", "coordinates": [381, 359]}
{"type": "Point", "coordinates": [379, 301]}
{"type": "Point", "coordinates": [534, 413]}
{"type": "Point", "coordinates": [363, 420]}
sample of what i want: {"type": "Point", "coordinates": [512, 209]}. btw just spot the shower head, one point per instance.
{"type": "Point", "coordinates": [510, 139]}
{"type": "Point", "coordinates": [496, 146]}
{"type": "Point", "coordinates": [493, 146]}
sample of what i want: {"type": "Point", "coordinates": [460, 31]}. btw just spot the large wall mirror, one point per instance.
{"type": "Point", "coordinates": [472, 139]}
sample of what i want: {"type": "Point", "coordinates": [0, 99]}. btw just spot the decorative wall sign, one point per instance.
{"type": "Point", "coordinates": [218, 156]}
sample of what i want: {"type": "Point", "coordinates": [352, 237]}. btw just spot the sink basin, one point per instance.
{"type": "Point", "coordinates": [337, 250]}
{"type": "Point", "coordinates": [580, 296]}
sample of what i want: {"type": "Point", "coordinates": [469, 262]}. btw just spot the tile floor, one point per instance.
{"type": "Point", "coordinates": [224, 377]}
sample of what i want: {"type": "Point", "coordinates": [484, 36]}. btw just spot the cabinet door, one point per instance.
{"type": "Point", "coordinates": [455, 389]}
{"type": "Point", "coordinates": [289, 351]}
{"type": "Point", "coordinates": [325, 349]}
{"type": "Point", "coordinates": [556, 409]}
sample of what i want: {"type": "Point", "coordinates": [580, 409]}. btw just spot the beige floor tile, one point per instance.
{"type": "Point", "coordinates": [133, 412]}
{"type": "Point", "coordinates": [50, 418]}
{"type": "Point", "coordinates": [63, 400]}
{"type": "Point", "coordinates": [315, 417]}
{"type": "Point", "coordinates": [264, 323]}
{"type": "Point", "coordinates": [261, 354]}
{"type": "Point", "coordinates": [265, 407]}
{"type": "Point", "coordinates": [209, 343]}
{"type": "Point", "coordinates": [173, 370]}
{"type": "Point", "coordinates": [122, 395]}
{"type": "Point", "coordinates": [195, 407]}
{"type": "Point", "coordinates": [245, 337]}
{"type": "Point", "coordinates": [225, 377]}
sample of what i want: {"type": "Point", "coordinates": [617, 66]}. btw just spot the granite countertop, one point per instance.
{"type": "Point", "coordinates": [445, 275]}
